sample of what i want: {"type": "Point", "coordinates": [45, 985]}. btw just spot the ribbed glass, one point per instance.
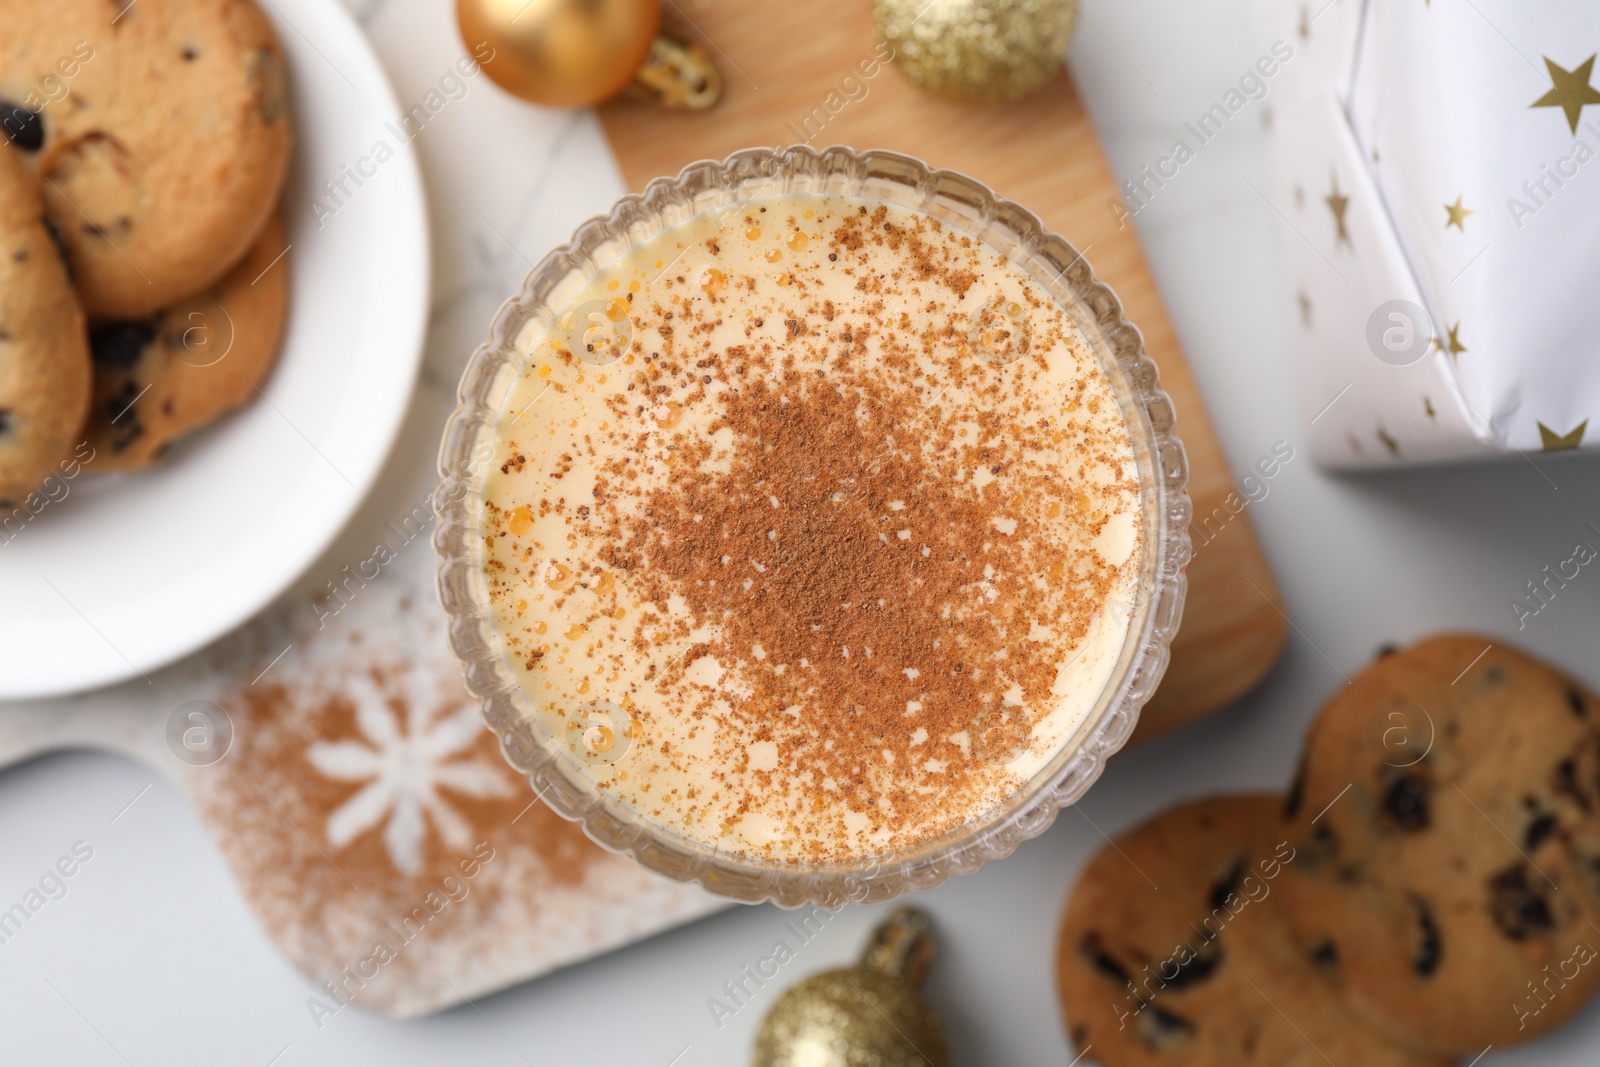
{"type": "Point", "coordinates": [710, 187]}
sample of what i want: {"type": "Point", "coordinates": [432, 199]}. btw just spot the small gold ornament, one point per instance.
{"type": "Point", "coordinates": [868, 1015]}
{"type": "Point", "coordinates": [977, 51]}
{"type": "Point", "coordinates": [574, 53]}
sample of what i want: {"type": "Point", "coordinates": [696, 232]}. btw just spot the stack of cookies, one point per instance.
{"type": "Point", "coordinates": [1429, 887]}
{"type": "Point", "coordinates": [143, 282]}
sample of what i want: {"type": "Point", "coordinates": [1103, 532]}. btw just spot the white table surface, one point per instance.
{"type": "Point", "coordinates": [152, 958]}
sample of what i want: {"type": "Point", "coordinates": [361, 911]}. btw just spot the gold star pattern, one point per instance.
{"type": "Point", "coordinates": [1458, 213]}
{"type": "Point", "coordinates": [1427, 405]}
{"type": "Point", "coordinates": [1453, 345]}
{"type": "Point", "coordinates": [1571, 91]}
{"type": "Point", "coordinates": [1389, 442]}
{"type": "Point", "coordinates": [1338, 203]}
{"type": "Point", "coordinates": [1554, 442]}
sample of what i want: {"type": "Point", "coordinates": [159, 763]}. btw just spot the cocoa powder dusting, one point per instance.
{"type": "Point", "coordinates": [803, 560]}
{"type": "Point", "coordinates": [832, 558]}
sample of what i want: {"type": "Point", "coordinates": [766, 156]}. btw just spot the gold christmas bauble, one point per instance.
{"type": "Point", "coordinates": [977, 51]}
{"type": "Point", "coordinates": [561, 53]}
{"type": "Point", "coordinates": [851, 1018]}
{"type": "Point", "coordinates": [864, 1016]}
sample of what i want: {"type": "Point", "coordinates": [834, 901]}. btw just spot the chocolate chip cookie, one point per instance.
{"type": "Point", "coordinates": [1175, 949]}
{"type": "Point", "coordinates": [44, 356]}
{"type": "Point", "coordinates": [163, 153]}
{"type": "Point", "coordinates": [1447, 834]}
{"type": "Point", "coordinates": [160, 378]}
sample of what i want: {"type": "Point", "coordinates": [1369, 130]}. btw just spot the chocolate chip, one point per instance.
{"type": "Point", "coordinates": [1518, 905]}
{"type": "Point", "coordinates": [1196, 969]}
{"type": "Point", "coordinates": [25, 128]}
{"type": "Point", "coordinates": [5, 421]}
{"type": "Point", "coordinates": [1575, 702]}
{"type": "Point", "coordinates": [189, 53]}
{"type": "Point", "coordinates": [1325, 954]}
{"type": "Point", "coordinates": [1429, 948]}
{"type": "Point", "coordinates": [1405, 800]}
{"type": "Point", "coordinates": [1539, 829]}
{"type": "Point", "coordinates": [1320, 850]}
{"type": "Point", "coordinates": [126, 433]}
{"type": "Point", "coordinates": [125, 425]}
{"type": "Point", "coordinates": [119, 345]}
{"type": "Point", "coordinates": [1388, 649]}
{"type": "Point", "coordinates": [1158, 1026]}
{"type": "Point", "coordinates": [1226, 886]}
{"type": "Point", "coordinates": [1094, 952]}
{"type": "Point", "coordinates": [1565, 783]}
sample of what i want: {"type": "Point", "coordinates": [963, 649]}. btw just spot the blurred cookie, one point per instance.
{"type": "Point", "coordinates": [163, 153]}
{"type": "Point", "coordinates": [1175, 949]}
{"type": "Point", "coordinates": [156, 380]}
{"type": "Point", "coordinates": [44, 356]}
{"type": "Point", "coordinates": [1447, 876]}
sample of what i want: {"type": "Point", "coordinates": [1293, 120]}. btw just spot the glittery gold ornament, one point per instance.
{"type": "Point", "coordinates": [574, 53]}
{"type": "Point", "coordinates": [868, 1015]}
{"type": "Point", "coordinates": [978, 51]}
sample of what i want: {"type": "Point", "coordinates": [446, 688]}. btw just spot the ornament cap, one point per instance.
{"type": "Point", "coordinates": [902, 947]}
{"type": "Point", "coordinates": [677, 74]}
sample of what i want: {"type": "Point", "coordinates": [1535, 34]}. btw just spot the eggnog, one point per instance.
{"type": "Point", "coordinates": [813, 529]}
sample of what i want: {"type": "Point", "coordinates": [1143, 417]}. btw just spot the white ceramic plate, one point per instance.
{"type": "Point", "coordinates": [126, 574]}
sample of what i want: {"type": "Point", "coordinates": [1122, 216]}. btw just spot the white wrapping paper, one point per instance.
{"type": "Point", "coordinates": [1438, 178]}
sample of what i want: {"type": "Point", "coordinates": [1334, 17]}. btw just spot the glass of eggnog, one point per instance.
{"type": "Point", "coordinates": [812, 526]}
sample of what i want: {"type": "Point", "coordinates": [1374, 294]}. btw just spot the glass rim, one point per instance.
{"type": "Point", "coordinates": [705, 187]}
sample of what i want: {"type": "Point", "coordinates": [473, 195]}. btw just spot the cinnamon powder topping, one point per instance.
{"type": "Point", "coordinates": [852, 538]}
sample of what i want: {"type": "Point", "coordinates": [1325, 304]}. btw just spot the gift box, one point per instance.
{"type": "Point", "coordinates": [1438, 185]}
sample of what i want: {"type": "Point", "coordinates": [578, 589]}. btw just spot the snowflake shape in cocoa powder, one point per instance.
{"type": "Point", "coordinates": [404, 765]}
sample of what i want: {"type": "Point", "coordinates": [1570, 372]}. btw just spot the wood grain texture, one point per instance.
{"type": "Point", "coordinates": [782, 59]}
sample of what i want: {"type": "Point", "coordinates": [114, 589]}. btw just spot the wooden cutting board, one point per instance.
{"type": "Point", "coordinates": [784, 61]}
